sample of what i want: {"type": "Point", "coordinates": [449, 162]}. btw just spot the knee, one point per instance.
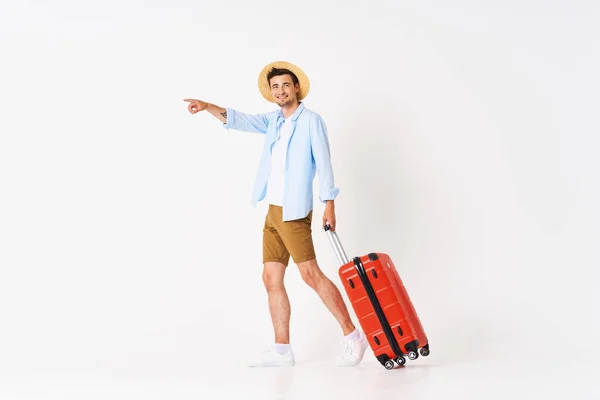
{"type": "Point", "coordinates": [312, 276]}
{"type": "Point", "coordinates": [271, 280]}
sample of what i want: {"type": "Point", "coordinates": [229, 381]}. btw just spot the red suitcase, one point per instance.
{"type": "Point", "coordinates": [382, 305]}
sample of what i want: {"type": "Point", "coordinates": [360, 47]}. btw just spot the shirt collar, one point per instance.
{"type": "Point", "coordinates": [296, 113]}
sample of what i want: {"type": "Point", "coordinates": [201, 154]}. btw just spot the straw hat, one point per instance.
{"type": "Point", "coordinates": [263, 84]}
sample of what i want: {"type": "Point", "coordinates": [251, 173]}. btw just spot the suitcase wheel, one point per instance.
{"type": "Point", "coordinates": [401, 361]}
{"type": "Point", "coordinates": [424, 350]}
{"type": "Point", "coordinates": [389, 364]}
{"type": "Point", "coordinates": [412, 355]}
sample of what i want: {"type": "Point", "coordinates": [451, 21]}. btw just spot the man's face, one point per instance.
{"type": "Point", "coordinates": [283, 90]}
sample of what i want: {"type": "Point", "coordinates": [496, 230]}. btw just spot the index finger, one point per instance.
{"type": "Point", "coordinates": [189, 100]}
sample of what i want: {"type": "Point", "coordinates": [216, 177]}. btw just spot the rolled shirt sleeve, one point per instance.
{"type": "Point", "coordinates": [322, 156]}
{"type": "Point", "coordinates": [236, 120]}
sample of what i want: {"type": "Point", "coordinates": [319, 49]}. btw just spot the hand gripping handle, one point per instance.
{"type": "Point", "coordinates": [337, 246]}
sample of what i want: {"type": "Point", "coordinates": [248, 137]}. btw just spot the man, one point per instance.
{"type": "Point", "coordinates": [296, 147]}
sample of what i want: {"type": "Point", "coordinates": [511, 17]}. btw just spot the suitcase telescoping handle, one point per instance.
{"type": "Point", "coordinates": [337, 246]}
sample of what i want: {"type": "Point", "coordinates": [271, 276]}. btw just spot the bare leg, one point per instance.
{"type": "Point", "coordinates": [328, 292]}
{"type": "Point", "coordinates": [279, 304]}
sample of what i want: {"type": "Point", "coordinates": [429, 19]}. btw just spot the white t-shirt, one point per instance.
{"type": "Point", "coordinates": [276, 182]}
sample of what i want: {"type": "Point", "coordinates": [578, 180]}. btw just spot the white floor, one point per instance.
{"type": "Point", "coordinates": [317, 379]}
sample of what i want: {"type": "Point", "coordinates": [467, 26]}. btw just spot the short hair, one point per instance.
{"type": "Point", "coordinates": [279, 72]}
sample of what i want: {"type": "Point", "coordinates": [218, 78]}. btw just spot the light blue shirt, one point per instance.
{"type": "Point", "coordinates": [307, 153]}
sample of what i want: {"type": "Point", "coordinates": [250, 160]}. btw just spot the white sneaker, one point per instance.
{"type": "Point", "coordinates": [271, 358]}
{"type": "Point", "coordinates": [354, 350]}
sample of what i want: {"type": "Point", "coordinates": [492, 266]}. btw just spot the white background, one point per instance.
{"type": "Point", "coordinates": [464, 141]}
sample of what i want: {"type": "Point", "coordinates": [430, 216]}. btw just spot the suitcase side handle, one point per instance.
{"type": "Point", "coordinates": [337, 245]}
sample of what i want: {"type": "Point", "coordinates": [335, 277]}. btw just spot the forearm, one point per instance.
{"type": "Point", "coordinates": [218, 112]}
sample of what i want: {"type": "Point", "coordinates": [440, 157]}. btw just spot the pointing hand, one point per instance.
{"type": "Point", "coordinates": [196, 105]}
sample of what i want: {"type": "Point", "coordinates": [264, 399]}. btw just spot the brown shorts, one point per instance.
{"type": "Point", "coordinates": [282, 239]}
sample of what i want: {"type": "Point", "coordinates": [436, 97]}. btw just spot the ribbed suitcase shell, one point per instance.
{"type": "Point", "coordinates": [384, 309]}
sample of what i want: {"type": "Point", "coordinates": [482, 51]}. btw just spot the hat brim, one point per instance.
{"type": "Point", "coordinates": [265, 89]}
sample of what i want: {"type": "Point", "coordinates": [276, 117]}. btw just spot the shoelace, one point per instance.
{"type": "Point", "coordinates": [348, 349]}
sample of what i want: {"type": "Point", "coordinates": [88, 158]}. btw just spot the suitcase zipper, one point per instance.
{"type": "Point", "coordinates": [378, 310]}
